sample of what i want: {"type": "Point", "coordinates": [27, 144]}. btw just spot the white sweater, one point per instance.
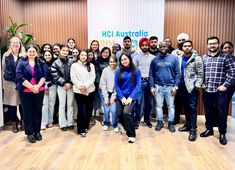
{"type": "Point", "coordinates": [81, 77]}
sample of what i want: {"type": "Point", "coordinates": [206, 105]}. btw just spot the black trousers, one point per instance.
{"type": "Point", "coordinates": [216, 101]}
{"type": "Point", "coordinates": [85, 106]}
{"type": "Point", "coordinates": [125, 118]}
{"type": "Point", "coordinates": [32, 110]}
{"type": "Point", "coordinates": [189, 103]}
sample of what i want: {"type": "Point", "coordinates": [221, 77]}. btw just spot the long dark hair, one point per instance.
{"type": "Point", "coordinates": [131, 66]}
{"type": "Point", "coordinates": [87, 63]}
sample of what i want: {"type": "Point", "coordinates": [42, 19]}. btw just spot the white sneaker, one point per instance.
{"type": "Point", "coordinates": [142, 120]}
{"type": "Point", "coordinates": [105, 128]}
{"type": "Point", "coordinates": [116, 130]}
{"type": "Point", "coordinates": [131, 139]}
{"type": "Point", "coordinates": [43, 127]}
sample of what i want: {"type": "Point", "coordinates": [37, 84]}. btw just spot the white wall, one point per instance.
{"type": "Point", "coordinates": [107, 18]}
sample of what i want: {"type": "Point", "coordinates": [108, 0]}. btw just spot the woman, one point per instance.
{"type": "Point", "coordinates": [50, 93]}
{"type": "Point", "coordinates": [75, 54]}
{"type": "Point", "coordinates": [60, 71]}
{"type": "Point", "coordinates": [227, 48]}
{"type": "Point", "coordinates": [11, 96]}
{"type": "Point", "coordinates": [71, 44]}
{"type": "Point", "coordinates": [108, 94]}
{"type": "Point", "coordinates": [30, 80]}
{"type": "Point", "coordinates": [95, 47]}
{"type": "Point", "coordinates": [127, 83]}
{"type": "Point", "coordinates": [46, 47]}
{"type": "Point", "coordinates": [83, 78]}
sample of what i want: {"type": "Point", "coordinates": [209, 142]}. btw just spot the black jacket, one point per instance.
{"type": "Point", "coordinates": [60, 71]}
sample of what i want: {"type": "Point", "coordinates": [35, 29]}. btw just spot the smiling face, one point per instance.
{"type": "Point", "coordinates": [112, 63]}
{"type": "Point", "coordinates": [125, 61]}
{"type": "Point", "coordinates": [31, 53]}
{"type": "Point", "coordinates": [227, 49]}
{"type": "Point", "coordinates": [83, 56]}
{"type": "Point", "coordinates": [105, 54]}
{"type": "Point", "coordinates": [94, 46]}
{"type": "Point", "coordinates": [47, 56]}
{"type": "Point", "coordinates": [47, 48]}
{"type": "Point", "coordinates": [144, 47]}
{"type": "Point", "coordinates": [71, 44]}
{"type": "Point", "coordinates": [15, 44]}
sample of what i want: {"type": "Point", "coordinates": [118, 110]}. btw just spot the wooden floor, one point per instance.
{"type": "Point", "coordinates": [108, 150]}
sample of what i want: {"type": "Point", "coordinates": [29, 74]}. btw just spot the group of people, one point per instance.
{"type": "Point", "coordinates": [127, 83]}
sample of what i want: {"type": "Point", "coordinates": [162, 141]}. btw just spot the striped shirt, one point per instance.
{"type": "Point", "coordinates": [218, 70]}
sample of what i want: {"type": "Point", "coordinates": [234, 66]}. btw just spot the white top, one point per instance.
{"type": "Point", "coordinates": [81, 77]}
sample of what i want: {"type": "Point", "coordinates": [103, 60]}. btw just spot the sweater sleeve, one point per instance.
{"type": "Point", "coordinates": [74, 77]}
{"type": "Point", "coordinates": [135, 91]}
{"type": "Point", "coordinates": [199, 71]}
{"type": "Point", "coordinates": [151, 74]}
{"type": "Point", "coordinates": [117, 87]}
{"type": "Point", "coordinates": [91, 78]}
{"type": "Point", "coordinates": [177, 72]}
{"type": "Point", "coordinates": [103, 84]}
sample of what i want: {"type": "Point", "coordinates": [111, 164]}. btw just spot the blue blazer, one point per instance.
{"type": "Point", "coordinates": [23, 72]}
{"type": "Point", "coordinates": [10, 68]}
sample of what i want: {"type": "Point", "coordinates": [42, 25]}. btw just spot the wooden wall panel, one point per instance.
{"type": "Point", "coordinates": [200, 19]}
{"type": "Point", "coordinates": [57, 20]}
{"type": "Point", "coordinates": [13, 8]}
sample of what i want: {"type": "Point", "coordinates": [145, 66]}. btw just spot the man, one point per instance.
{"type": "Point", "coordinates": [115, 48]}
{"type": "Point", "coordinates": [164, 75]}
{"type": "Point", "coordinates": [180, 39]}
{"type": "Point", "coordinates": [142, 61]}
{"type": "Point", "coordinates": [191, 67]}
{"type": "Point", "coordinates": [168, 40]}
{"type": "Point", "coordinates": [153, 45]}
{"type": "Point", "coordinates": [126, 48]}
{"type": "Point", "coordinates": [219, 71]}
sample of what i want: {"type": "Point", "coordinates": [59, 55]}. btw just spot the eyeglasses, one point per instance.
{"type": "Point", "coordinates": [15, 42]}
{"type": "Point", "coordinates": [210, 44]}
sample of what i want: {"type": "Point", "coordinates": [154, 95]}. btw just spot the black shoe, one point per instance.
{"type": "Point", "coordinates": [207, 133]}
{"type": "Point", "coordinates": [185, 128]}
{"type": "Point", "coordinates": [159, 125]}
{"type": "Point", "coordinates": [222, 139]}
{"type": "Point", "coordinates": [71, 127]}
{"type": "Point", "coordinates": [31, 139]}
{"type": "Point", "coordinates": [38, 136]}
{"type": "Point", "coordinates": [171, 127]}
{"type": "Point", "coordinates": [149, 124]}
{"type": "Point", "coordinates": [192, 135]}
{"type": "Point", "coordinates": [64, 128]}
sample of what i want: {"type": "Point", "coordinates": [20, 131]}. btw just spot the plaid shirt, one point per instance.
{"type": "Point", "coordinates": [218, 70]}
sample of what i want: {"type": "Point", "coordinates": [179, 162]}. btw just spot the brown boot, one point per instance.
{"type": "Point", "coordinates": [15, 127]}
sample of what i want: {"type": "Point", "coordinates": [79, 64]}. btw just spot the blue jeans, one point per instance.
{"type": "Point", "coordinates": [107, 109]}
{"type": "Point", "coordinates": [164, 92]}
{"type": "Point", "coordinates": [146, 94]}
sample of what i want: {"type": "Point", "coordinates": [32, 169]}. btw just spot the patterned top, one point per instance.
{"type": "Point", "coordinates": [218, 70]}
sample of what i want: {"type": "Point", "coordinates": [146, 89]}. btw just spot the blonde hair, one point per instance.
{"type": "Point", "coordinates": [22, 52]}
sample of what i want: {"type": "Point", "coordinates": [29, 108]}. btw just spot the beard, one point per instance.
{"type": "Point", "coordinates": [213, 50]}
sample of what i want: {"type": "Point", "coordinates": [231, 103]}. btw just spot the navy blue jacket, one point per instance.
{"type": "Point", "coordinates": [23, 72]}
{"type": "Point", "coordinates": [10, 68]}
